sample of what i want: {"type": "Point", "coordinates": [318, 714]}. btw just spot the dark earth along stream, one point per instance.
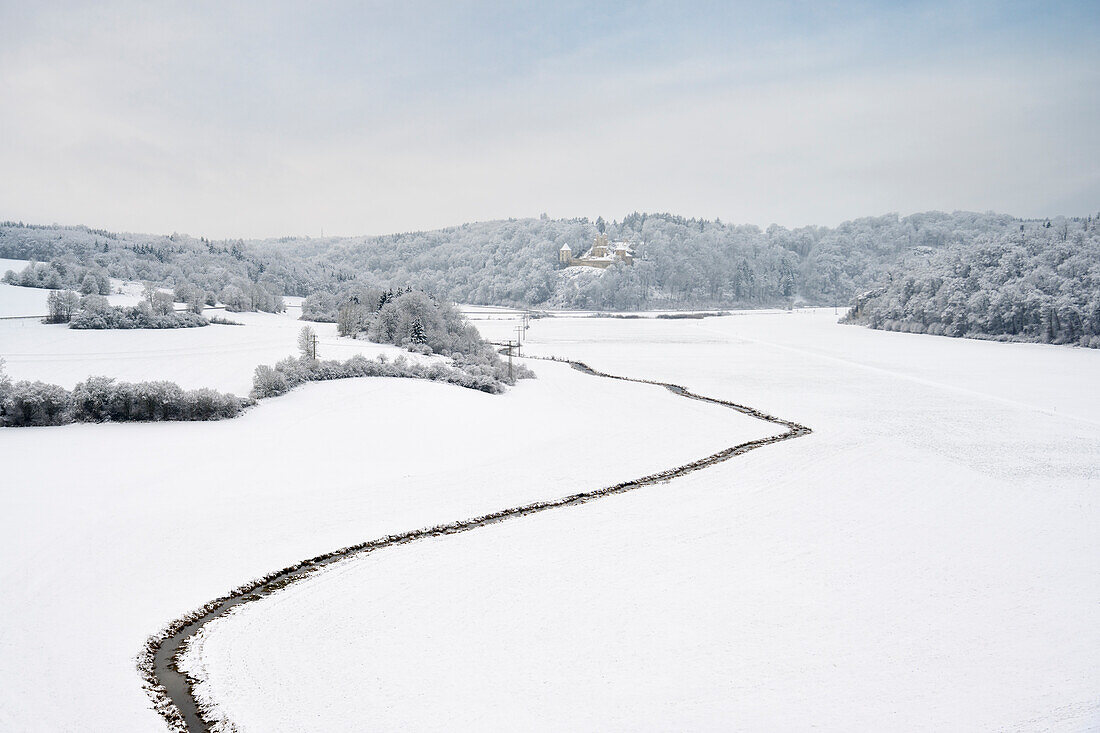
{"type": "Point", "coordinates": [172, 691]}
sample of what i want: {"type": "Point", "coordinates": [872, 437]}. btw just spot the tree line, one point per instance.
{"type": "Point", "coordinates": [680, 262]}
{"type": "Point", "coordinates": [1028, 279]}
{"type": "Point", "coordinates": [1038, 282]}
{"type": "Point", "coordinates": [103, 399]}
{"type": "Point", "coordinates": [412, 319]}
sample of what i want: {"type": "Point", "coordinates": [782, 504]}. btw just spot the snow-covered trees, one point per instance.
{"type": "Point", "coordinates": [421, 323]}
{"type": "Point", "coordinates": [208, 404]}
{"type": "Point", "coordinates": [680, 262]}
{"type": "Point", "coordinates": [60, 305]}
{"type": "Point", "coordinates": [5, 386]}
{"type": "Point", "coordinates": [320, 306]}
{"type": "Point", "coordinates": [263, 296]}
{"type": "Point", "coordinates": [307, 343]}
{"type": "Point", "coordinates": [235, 299]}
{"type": "Point", "coordinates": [196, 301]}
{"type": "Point", "coordinates": [417, 321]}
{"type": "Point", "coordinates": [351, 318]}
{"type": "Point", "coordinates": [161, 304]}
{"type": "Point", "coordinates": [36, 403]}
{"type": "Point", "coordinates": [60, 273]}
{"type": "Point", "coordinates": [89, 285]}
{"type": "Point", "coordinates": [289, 373]}
{"type": "Point", "coordinates": [416, 317]}
{"type": "Point", "coordinates": [194, 297]}
{"type": "Point", "coordinates": [95, 313]}
{"type": "Point", "coordinates": [266, 382]}
{"type": "Point", "coordinates": [102, 399]}
{"type": "Point", "coordinates": [1035, 283]}
{"type": "Point", "coordinates": [416, 332]}
{"type": "Point", "coordinates": [249, 296]}
{"type": "Point", "coordinates": [66, 253]}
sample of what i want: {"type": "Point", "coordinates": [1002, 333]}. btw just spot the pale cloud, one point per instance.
{"type": "Point", "coordinates": [277, 121]}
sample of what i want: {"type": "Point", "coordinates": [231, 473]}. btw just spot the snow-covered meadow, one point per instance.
{"type": "Point", "coordinates": [218, 356]}
{"type": "Point", "coordinates": [111, 531]}
{"type": "Point", "coordinates": [927, 559]}
{"type": "Point", "coordinates": [27, 302]}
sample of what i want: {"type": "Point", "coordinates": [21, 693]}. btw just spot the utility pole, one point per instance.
{"type": "Point", "coordinates": [313, 346]}
{"type": "Point", "coordinates": [519, 339]}
{"type": "Point", "coordinates": [510, 377]}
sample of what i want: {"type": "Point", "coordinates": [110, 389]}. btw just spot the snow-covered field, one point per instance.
{"type": "Point", "coordinates": [111, 531]}
{"type": "Point", "coordinates": [927, 559]}
{"type": "Point", "coordinates": [8, 264]}
{"type": "Point", "coordinates": [27, 302]}
{"type": "Point", "coordinates": [222, 357]}
{"type": "Point", "coordinates": [217, 356]}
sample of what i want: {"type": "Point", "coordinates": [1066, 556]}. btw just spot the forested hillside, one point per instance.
{"type": "Point", "coordinates": [1038, 283]}
{"type": "Point", "coordinates": [680, 262]}
{"type": "Point", "coordinates": [247, 276]}
{"type": "Point", "coordinates": [963, 274]}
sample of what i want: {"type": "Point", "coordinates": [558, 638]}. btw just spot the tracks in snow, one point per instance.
{"type": "Point", "coordinates": [172, 690]}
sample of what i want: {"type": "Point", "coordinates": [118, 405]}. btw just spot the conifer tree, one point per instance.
{"type": "Point", "coordinates": [416, 332]}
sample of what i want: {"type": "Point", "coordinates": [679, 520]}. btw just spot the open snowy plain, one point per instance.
{"type": "Point", "coordinates": [927, 559]}
{"type": "Point", "coordinates": [111, 531]}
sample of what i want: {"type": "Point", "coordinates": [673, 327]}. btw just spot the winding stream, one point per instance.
{"type": "Point", "coordinates": [172, 691]}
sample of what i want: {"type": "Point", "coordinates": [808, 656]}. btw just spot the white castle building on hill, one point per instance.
{"type": "Point", "coordinates": [601, 254]}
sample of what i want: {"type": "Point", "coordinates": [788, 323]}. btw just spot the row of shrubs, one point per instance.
{"type": "Point", "coordinates": [291, 372]}
{"type": "Point", "coordinates": [948, 329]}
{"type": "Point", "coordinates": [694, 315]}
{"type": "Point", "coordinates": [102, 399]}
{"type": "Point", "coordinates": [96, 315]}
{"type": "Point", "coordinates": [697, 315]}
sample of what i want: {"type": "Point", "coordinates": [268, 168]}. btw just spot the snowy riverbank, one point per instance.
{"type": "Point", "coordinates": [111, 531]}
{"type": "Point", "coordinates": [927, 559]}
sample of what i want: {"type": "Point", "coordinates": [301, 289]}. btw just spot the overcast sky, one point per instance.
{"type": "Point", "coordinates": [272, 118]}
